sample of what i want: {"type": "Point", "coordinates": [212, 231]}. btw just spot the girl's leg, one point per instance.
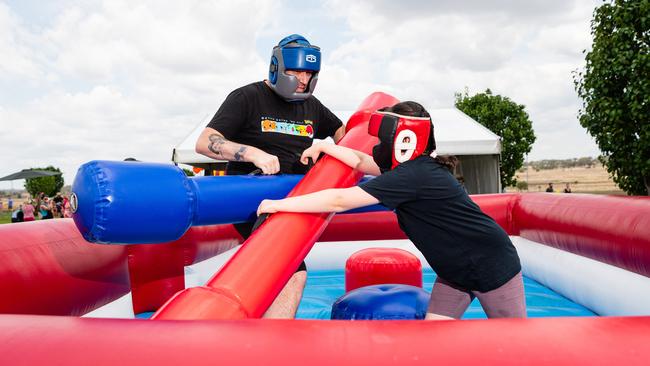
{"type": "Point", "coordinates": [507, 301]}
{"type": "Point", "coordinates": [448, 300]}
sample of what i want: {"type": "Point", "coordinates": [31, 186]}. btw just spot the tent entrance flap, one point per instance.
{"type": "Point", "coordinates": [456, 133]}
{"type": "Point", "coordinates": [480, 172]}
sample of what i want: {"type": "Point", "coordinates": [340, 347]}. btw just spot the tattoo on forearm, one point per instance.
{"type": "Point", "coordinates": [216, 144]}
{"type": "Point", "coordinates": [239, 155]}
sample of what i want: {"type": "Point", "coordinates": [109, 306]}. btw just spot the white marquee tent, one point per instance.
{"type": "Point", "coordinates": [477, 148]}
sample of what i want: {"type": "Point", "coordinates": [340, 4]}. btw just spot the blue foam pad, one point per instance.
{"type": "Point", "coordinates": [382, 302]}
{"type": "Point", "coordinates": [325, 286]}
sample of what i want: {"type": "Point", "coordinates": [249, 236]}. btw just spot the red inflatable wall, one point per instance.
{"type": "Point", "coordinates": [29, 340]}
{"type": "Point", "coordinates": [609, 229]}
{"type": "Point", "coordinates": [382, 225]}
{"type": "Point", "coordinates": [46, 267]}
{"type": "Point", "coordinates": [157, 271]}
{"type": "Point", "coordinates": [379, 225]}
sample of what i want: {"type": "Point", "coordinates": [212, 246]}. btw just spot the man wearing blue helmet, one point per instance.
{"type": "Point", "coordinates": [267, 125]}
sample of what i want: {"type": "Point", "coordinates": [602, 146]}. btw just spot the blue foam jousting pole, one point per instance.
{"type": "Point", "coordinates": [136, 202]}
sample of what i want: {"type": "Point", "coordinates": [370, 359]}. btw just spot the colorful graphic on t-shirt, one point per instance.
{"type": "Point", "coordinates": [296, 128]}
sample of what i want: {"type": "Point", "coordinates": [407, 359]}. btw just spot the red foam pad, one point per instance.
{"type": "Point", "coordinates": [375, 266]}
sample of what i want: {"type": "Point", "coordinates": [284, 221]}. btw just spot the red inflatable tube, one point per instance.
{"type": "Point", "coordinates": [32, 340]}
{"type": "Point", "coordinates": [250, 281]}
{"type": "Point", "coordinates": [610, 229]}
{"type": "Point", "coordinates": [375, 266]}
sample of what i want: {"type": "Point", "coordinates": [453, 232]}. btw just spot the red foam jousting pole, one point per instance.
{"type": "Point", "coordinates": [247, 285]}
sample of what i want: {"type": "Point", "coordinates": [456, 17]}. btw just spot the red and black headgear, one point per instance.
{"type": "Point", "coordinates": [401, 138]}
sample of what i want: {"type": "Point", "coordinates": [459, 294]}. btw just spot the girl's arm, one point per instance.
{"type": "Point", "coordinates": [352, 158]}
{"type": "Point", "coordinates": [329, 200]}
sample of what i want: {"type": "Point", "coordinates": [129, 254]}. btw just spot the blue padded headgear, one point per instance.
{"type": "Point", "coordinates": [293, 53]}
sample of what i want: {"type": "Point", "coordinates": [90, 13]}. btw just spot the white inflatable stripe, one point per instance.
{"type": "Point", "coordinates": [120, 308]}
{"type": "Point", "coordinates": [603, 288]}
{"type": "Point", "coordinates": [333, 255]}
{"type": "Point", "coordinates": [323, 256]}
{"type": "Point", "coordinates": [198, 274]}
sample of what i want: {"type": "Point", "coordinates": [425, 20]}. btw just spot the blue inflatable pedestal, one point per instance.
{"type": "Point", "coordinates": [130, 202]}
{"type": "Point", "coordinates": [137, 202]}
{"type": "Point", "coordinates": [382, 302]}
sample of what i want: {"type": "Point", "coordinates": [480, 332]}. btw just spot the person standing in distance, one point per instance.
{"type": "Point", "coordinates": [266, 126]}
{"type": "Point", "coordinates": [549, 189]}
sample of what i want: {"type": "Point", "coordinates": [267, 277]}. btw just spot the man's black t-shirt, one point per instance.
{"type": "Point", "coordinates": [255, 115]}
{"type": "Point", "coordinates": [461, 243]}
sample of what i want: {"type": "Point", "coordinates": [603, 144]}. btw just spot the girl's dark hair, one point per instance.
{"type": "Point", "coordinates": [449, 161]}
{"type": "Point", "coordinates": [408, 108]}
{"type": "Point", "coordinates": [414, 109]}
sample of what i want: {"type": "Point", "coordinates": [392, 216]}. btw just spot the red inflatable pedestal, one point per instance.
{"type": "Point", "coordinates": [375, 266]}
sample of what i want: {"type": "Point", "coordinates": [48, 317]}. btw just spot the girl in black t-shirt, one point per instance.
{"type": "Point", "coordinates": [471, 254]}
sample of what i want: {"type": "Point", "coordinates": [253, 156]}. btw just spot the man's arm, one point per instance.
{"type": "Point", "coordinates": [338, 135]}
{"type": "Point", "coordinates": [212, 144]}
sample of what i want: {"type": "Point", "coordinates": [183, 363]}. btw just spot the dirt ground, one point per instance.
{"type": "Point", "coordinates": [581, 179]}
{"type": "Point", "coordinates": [17, 202]}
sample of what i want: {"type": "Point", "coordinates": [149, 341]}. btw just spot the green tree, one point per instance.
{"type": "Point", "coordinates": [49, 185]}
{"type": "Point", "coordinates": [615, 89]}
{"type": "Point", "coordinates": [508, 120]}
{"type": "Point", "coordinates": [522, 186]}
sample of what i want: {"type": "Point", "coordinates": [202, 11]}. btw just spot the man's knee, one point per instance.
{"type": "Point", "coordinates": [298, 279]}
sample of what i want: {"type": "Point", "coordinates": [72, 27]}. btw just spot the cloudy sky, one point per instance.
{"type": "Point", "coordinates": [93, 79]}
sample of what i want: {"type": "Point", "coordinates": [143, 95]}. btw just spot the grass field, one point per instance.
{"type": "Point", "coordinates": [5, 217]}
{"type": "Point", "coordinates": [582, 180]}
{"type": "Point", "coordinates": [5, 214]}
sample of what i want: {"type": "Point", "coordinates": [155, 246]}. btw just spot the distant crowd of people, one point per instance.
{"type": "Point", "coordinates": [41, 206]}
{"type": "Point", "coordinates": [567, 188]}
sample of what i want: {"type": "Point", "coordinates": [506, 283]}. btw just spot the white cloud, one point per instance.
{"type": "Point", "coordinates": [121, 79]}
{"type": "Point", "coordinates": [114, 79]}
{"type": "Point", "coordinates": [428, 51]}
{"type": "Point", "coordinates": [18, 58]}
